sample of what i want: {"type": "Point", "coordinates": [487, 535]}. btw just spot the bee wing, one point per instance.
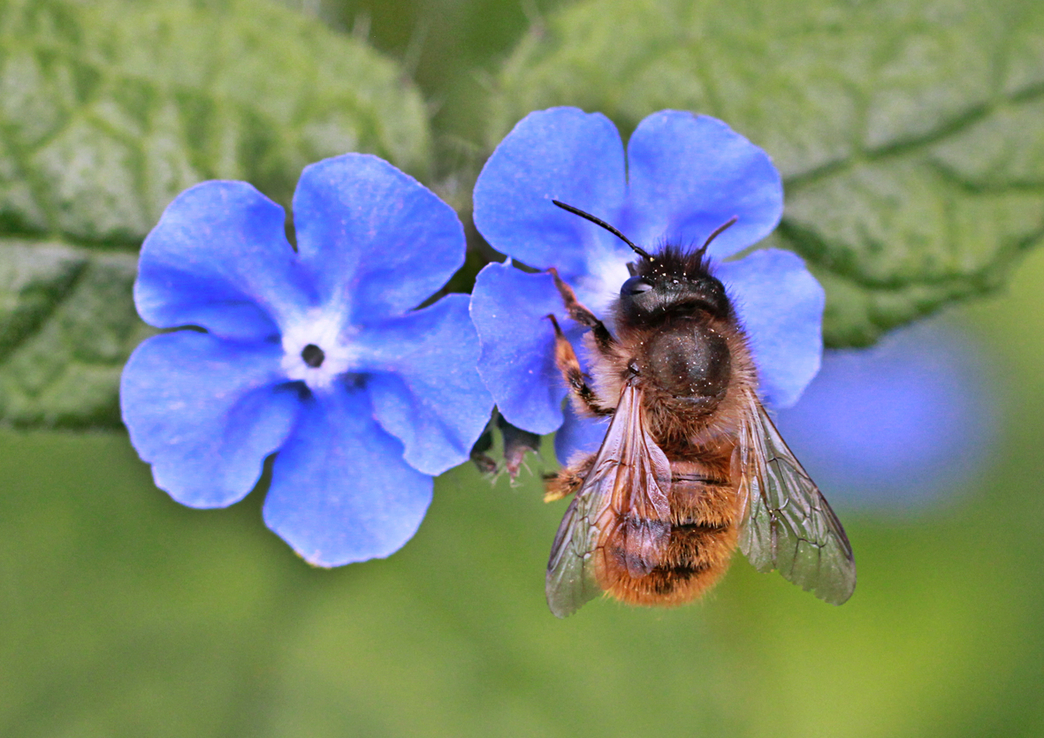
{"type": "Point", "coordinates": [788, 525]}
{"type": "Point", "coordinates": [623, 495]}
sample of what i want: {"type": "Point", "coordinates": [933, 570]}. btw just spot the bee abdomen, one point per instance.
{"type": "Point", "coordinates": [701, 527]}
{"type": "Point", "coordinates": [667, 581]}
{"type": "Point", "coordinates": [696, 552]}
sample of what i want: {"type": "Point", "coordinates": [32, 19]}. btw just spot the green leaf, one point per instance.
{"type": "Point", "coordinates": [910, 133]}
{"type": "Point", "coordinates": [107, 111]}
{"type": "Point", "coordinates": [68, 324]}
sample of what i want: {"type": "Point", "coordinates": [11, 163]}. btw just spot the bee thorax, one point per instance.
{"type": "Point", "coordinates": [691, 362]}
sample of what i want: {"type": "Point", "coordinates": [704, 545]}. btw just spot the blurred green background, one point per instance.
{"type": "Point", "coordinates": [125, 614]}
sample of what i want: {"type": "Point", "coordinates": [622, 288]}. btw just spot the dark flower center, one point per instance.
{"type": "Point", "coordinates": [313, 355]}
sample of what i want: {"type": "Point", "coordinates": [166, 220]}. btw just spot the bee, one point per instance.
{"type": "Point", "coordinates": [691, 466]}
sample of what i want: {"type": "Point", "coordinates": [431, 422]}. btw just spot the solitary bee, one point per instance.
{"type": "Point", "coordinates": [691, 465]}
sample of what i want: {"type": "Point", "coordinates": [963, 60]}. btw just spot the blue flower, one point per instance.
{"type": "Point", "coordinates": [897, 424]}
{"type": "Point", "coordinates": [317, 353]}
{"type": "Point", "coordinates": [682, 177]}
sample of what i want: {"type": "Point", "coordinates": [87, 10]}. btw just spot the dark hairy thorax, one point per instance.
{"type": "Point", "coordinates": [683, 340]}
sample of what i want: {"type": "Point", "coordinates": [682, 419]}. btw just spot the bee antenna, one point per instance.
{"type": "Point", "coordinates": [717, 232]}
{"type": "Point", "coordinates": [598, 221]}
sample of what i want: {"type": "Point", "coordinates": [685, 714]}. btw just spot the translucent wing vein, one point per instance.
{"type": "Point", "coordinates": [623, 498]}
{"type": "Point", "coordinates": [788, 524]}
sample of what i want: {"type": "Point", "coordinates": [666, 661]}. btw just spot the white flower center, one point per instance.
{"type": "Point", "coordinates": [606, 272]}
{"type": "Point", "coordinates": [316, 349]}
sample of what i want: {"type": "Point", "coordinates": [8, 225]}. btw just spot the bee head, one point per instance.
{"type": "Point", "coordinates": [669, 282]}
{"type": "Point", "coordinates": [672, 283]}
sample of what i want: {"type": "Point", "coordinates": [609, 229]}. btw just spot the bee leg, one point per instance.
{"type": "Point", "coordinates": [569, 365]}
{"type": "Point", "coordinates": [561, 485]}
{"type": "Point", "coordinates": [578, 312]}
{"type": "Point", "coordinates": [567, 481]}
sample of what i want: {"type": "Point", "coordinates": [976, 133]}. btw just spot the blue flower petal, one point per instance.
{"type": "Point", "coordinates": [341, 491]}
{"type": "Point", "coordinates": [780, 304]}
{"type": "Point", "coordinates": [689, 174]}
{"type": "Point", "coordinates": [510, 309]}
{"type": "Point", "coordinates": [205, 413]}
{"type": "Point", "coordinates": [424, 386]}
{"type": "Point", "coordinates": [562, 153]}
{"type": "Point", "coordinates": [219, 259]}
{"type": "Point", "coordinates": [376, 241]}
{"type": "Point", "coordinates": [578, 435]}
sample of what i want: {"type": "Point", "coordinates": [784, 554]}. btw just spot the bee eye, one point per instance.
{"type": "Point", "coordinates": [635, 286]}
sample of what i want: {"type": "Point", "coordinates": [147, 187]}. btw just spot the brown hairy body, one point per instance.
{"type": "Point", "coordinates": [699, 442]}
{"type": "Point", "coordinates": [691, 466]}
